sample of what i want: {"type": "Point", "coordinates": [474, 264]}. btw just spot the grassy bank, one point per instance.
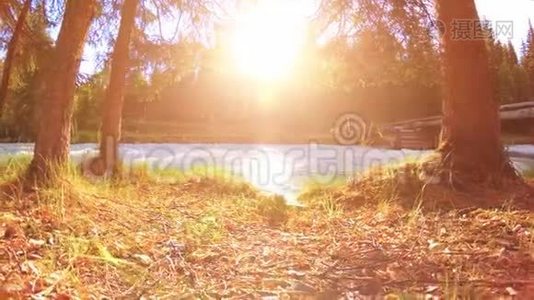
{"type": "Point", "coordinates": [175, 236]}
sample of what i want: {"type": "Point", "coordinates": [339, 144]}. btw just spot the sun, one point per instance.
{"type": "Point", "coordinates": [268, 37]}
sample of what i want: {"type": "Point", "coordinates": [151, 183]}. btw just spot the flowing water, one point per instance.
{"type": "Point", "coordinates": [281, 169]}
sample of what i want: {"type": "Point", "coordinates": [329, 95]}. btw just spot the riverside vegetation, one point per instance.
{"type": "Point", "coordinates": [177, 235]}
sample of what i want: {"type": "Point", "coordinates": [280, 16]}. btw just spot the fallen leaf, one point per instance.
{"type": "Point", "coordinates": [433, 244]}
{"type": "Point", "coordinates": [36, 243]}
{"type": "Point", "coordinates": [29, 267]}
{"type": "Point", "coordinates": [517, 228]}
{"type": "Point", "coordinates": [511, 291]}
{"type": "Point", "coordinates": [144, 259]}
{"type": "Point", "coordinates": [296, 273]}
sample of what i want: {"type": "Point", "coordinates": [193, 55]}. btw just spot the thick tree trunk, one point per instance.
{"type": "Point", "coordinates": [471, 147]}
{"type": "Point", "coordinates": [55, 109]}
{"type": "Point", "coordinates": [113, 102]}
{"type": "Point", "coordinates": [11, 51]}
{"type": "Point", "coordinates": [5, 12]}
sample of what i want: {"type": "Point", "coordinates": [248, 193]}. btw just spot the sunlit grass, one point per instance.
{"type": "Point", "coordinates": [171, 233]}
{"type": "Point", "coordinates": [13, 166]}
{"type": "Point", "coordinates": [528, 174]}
{"type": "Point", "coordinates": [112, 227]}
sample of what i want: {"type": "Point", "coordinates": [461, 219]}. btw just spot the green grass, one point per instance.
{"type": "Point", "coordinates": [528, 174]}
{"type": "Point", "coordinates": [205, 229]}
{"type": "Point", "coordinates": [13, 166]}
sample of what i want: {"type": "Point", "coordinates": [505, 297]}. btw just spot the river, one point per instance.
{"type": "Point", "coordinates": [281, 169]}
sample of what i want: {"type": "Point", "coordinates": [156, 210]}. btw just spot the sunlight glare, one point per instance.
{"type": "Point", "coordinates": [268, 38]}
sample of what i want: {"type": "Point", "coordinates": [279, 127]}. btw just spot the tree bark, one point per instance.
{"type": "Point", "coordinates": [470, 146]}
{"type": "Point", "coordinates": [55, 109]}
{"type": "Point", "coordinates": [11, 51]}
{"type": "Point", "coordinates": [113, 101]}
{"type": "Point", "coordinates": [5, 12]}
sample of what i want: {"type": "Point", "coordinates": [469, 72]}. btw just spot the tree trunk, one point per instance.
{"type": "Point", "coordinates": [11, 51]}
{"type": "Point", "coordinates": [113, 101]}
{"type": "Point", "coordinates": [471, 147]}
{"type": "Point", "coordinates": [5, 12]}
{"type": "Point", "coordinates": [53, 136]}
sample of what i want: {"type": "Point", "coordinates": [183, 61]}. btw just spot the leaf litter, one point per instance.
{"type": "Point", "coordinates": [204, 238]}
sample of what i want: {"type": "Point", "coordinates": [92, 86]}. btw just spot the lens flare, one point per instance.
{"type": "Point", "coordinates": [268, 38]}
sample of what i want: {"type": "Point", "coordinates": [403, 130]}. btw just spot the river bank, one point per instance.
{"type": "Point", "coordinates": [187, 237]}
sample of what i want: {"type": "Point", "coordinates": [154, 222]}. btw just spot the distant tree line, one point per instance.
{"type": "Point", "coordinates": [512, 76]}
{"type": "Point", "coordinates": [393, 46]}
{"type": "Point", "coordinates": [385, 76]}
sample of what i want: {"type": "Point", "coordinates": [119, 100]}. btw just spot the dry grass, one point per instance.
{"type": "Point", "coordinates": [416, 184]}
{"type": "Point", "coordinates": [173, 236]}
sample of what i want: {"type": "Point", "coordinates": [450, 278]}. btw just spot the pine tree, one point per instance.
{"type": "Point", "coordinates": [519, 79]}
{"type": "Point", "coordinates": [471, 148]}
{"type": "Point", "coordinates": [56, 105]}
{"type": "Point", "coordinates": [528, 60]}
{"type": "Point", "coordinates": [113, 101]}
{"type": "Point", "coordinates": [12, 48]}
{"type": "Point", "coordinates": [18, 118]}
{"type": "Point", "coordinates": [511, 55]}
{"type": "Point", "coordinates": [508, 76]}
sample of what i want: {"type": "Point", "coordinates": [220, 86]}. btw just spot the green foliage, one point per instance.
{"type": "Point", "coordinates": [18, 119]}
{"type": "Point", "coordinates": [13, 166]}
{"type": "Point", "coordinates": [392, 58]}
{"type": "Point", "coordinates": [528, 173]}
{"type": "Point", "coordinates": [88, 101]}
{"type": "Point", "coordinates": [527, 61]}
{"type": "Point", "coordinates": [511, 83]}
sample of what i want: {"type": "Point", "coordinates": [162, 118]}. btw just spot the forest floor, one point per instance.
{"type": "Point", "coordinates": [176, 236]}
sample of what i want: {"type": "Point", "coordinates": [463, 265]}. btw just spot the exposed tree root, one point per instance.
{"type": "Point", "coordinates": [468, 174]}
{"type": "Point", "coordinates": [198, 237]}
{"type": "Point", "coordinates": [435, 184]}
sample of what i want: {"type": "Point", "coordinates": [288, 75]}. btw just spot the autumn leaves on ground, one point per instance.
{"type": "Point", "coordinates": [457, 226]}
{"type": "Point", "coordinates": [179, 235]}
